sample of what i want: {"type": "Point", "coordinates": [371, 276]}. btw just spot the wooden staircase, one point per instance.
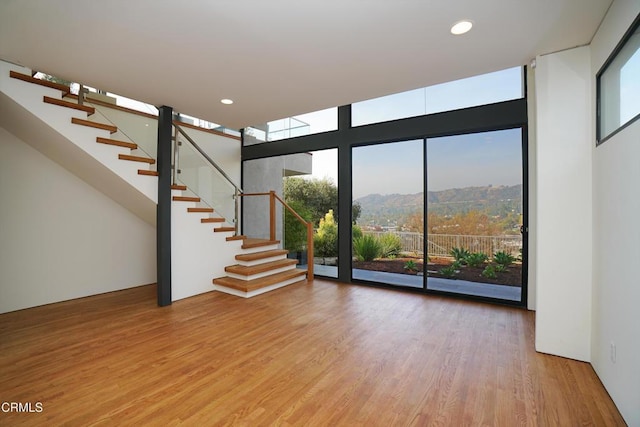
{"type": "Point", "coordinates": [261, 265]}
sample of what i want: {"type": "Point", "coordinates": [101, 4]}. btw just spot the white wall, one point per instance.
{"type": "Point", "coordinates": [616, 289]}
{"type": "Point", "coordinates": [564, 203]}
{"type": "Point", "coordinates": [59, 237]}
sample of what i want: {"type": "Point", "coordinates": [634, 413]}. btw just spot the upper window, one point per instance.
{"type": "Point", "coordinates": [489, 88]}
{"type": "Point", "coordinates": [619, 86]}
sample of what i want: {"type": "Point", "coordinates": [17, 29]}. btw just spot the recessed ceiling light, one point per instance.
{"type": "Point", "coordinates": [461, 27]}
{"type": "Point", "coordinates": [227, 101]}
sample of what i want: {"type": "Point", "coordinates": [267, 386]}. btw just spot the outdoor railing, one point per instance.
{"type": "Point", "coordinates": [441, 244]}
{"type": "Point", "coordinates": [273, 197]}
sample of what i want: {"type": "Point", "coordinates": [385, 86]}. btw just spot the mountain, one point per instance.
{"type": "Point", "coordinates": [498, 200]}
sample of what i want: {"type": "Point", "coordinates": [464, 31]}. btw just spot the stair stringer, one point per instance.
{"type": "Point", "coordinates": [197, 253]}
{"type": "Point", "coordinates": [48, 129]}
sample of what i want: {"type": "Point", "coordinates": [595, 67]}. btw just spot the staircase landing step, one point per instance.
{"type": "Point", "coordinates": [245, 270]}
{"type": "Point", "coordinates": [263, 282]}
{"type": "Point", "coordinates": [261, 255]}
{"type": "Point", "coordinates": [256, 243]}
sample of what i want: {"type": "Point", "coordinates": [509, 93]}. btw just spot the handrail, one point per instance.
{"type": "Point", "coordinates": [272, 225]}
{"type": "Point", "coordinates": [209, 159]}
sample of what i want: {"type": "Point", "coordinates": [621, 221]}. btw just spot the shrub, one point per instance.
{"type": "Point", "coordinates": [475, 259]}
{"type": "Point", "coordinates": [411, 266]}
{"type": "Point", "coordinates": [449, 271]}
{"type": "Point", "coordinates": [503, 258]}
{"type": "Point", "coordinates": [459, 254]}
{"type": "Point", "coordinates": [367, 248]}
{"type": "Point", "coordinates": [489, 272]}
{"type": "Point", "coordinates": [325, 241]}
{"type": "Point", "coordinates": [295, 233]}
{"type": "Point", "coordinates": [500, 268]}
{"type": "Point", "coordinates": [356, 232]}
{"type": "Point", "coordinates": [390, 245]}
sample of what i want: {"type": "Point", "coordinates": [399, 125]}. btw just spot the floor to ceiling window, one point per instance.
{"type": "Point", "coordinates": [415, 169]}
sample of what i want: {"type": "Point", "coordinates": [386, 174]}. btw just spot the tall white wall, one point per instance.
{"type": "Point", "coordinates": [59, 237]}
{"type": "Point", "coordinates": [616, 240]}
{"type": "Point", "coordinates": [564, 203]}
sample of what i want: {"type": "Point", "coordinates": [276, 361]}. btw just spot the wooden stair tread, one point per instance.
{"type": "Point", "coordinates": [62, 103]}
{"type": "Point", "coordinates": [136, 158]}
{"type": "Point", "coordinates": [179, 187]}
{"type": "Point", "coordinates": [223, 229]}
{"type": "Point", "coordinates": [207, 210]}
{"type": "Point", "coordinates": [246, 270]}
{"type": "Point", "coordinates": [261, 255]}
{"type": "Point", "coordinates": [252, 285]}
{"type": "Point", "coordinates": [216, 219]}
{"type": "Point", "coordinates": [89, 123]}
{"type": "Point", "coordinates": [147, 172]}
{"type": "Point", "coordinates": [238, 237]}
{"type": "Point", "coordinates": [256, 243]}
{"type": "Point", "coordinates": [27, 78]}
{"type": "Point", "coordinates": [185, 199]}
{"type": "Point", "coordinates": [117, 143]}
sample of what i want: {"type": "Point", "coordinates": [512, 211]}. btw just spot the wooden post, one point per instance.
{"type": "Point", "coordinates": [272, 215]}
{"type": "Point", "coordinates": [310, 260]}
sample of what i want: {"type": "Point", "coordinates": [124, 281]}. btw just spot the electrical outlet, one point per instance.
{"type": "Point", "coordinates": [613, 352]}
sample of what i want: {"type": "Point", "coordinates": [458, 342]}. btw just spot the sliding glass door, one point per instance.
{"type": "Point", "coordinates": [475, 214]}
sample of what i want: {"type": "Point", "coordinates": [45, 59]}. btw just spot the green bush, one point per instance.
{"type": "Point", "coordinates": [500, 268]}
{"type": "Point", "coordinates": [503, 258]}
{"type": "Point", "coordinates": [459, 254]}
{"type": "Point", "coordinates": [295, 232]}
{"type": "Point", "coordinates": [411, 266]}
{"type": "Point", "coordinates": [367, 248]}
{"type": "Point", "coordinates": [390, 245]}
{"type": "Point", "coordinates": [356, 232]}
{"type": "Point", "coordinates": [325, 241]}
{"type": "Point", "coordinates": [449, 271]}
{"type": "Point", "coordinates": [489, 272]}
{"type": "Point", "coordinates": [475, 259]}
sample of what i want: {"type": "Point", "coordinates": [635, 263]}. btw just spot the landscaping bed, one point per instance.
{"type": "Point", "coordinates": [511, 277]}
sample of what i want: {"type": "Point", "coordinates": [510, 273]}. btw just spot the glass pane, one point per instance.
{"type": "Point", "coordinates": [388, 196]}
{"type": "Point", "coordinates": [620, 87]}
{"type": "Point", "coordinates": [478, 90]}
{"type": "Point", "coordinates": [474, 214]}
{"type": "Point", "coordinates": [203, 180]}
{"type": "Point", "coordinates": [307, 183]}
{"type": "Point", "coordinates": [290, 127]}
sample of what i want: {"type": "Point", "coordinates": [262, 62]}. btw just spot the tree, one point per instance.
{"type": "Point", "coordinates": [325, 241]}
{"type": "Point", "coordinates": [317, 195]}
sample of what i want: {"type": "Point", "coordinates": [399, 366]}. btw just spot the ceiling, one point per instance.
{"type": "Point", "coordinates": [278, 58]}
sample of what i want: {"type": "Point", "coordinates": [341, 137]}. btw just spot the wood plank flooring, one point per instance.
{"type": "Point", "coordinates": [320, 354]}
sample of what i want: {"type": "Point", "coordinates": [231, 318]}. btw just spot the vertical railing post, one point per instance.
{"type": "Point", "coordinates": [272, 215]}
{"type": "Point", "coordinates": [310, 260]}
{"type": "Point", "coordinates": [236, 197]}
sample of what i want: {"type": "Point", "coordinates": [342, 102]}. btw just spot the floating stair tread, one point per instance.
{"type": "Point", "coordinates": [256, 243]}
{"type": "Point", "coordinates": [27, 78]}
{"type": "Point", "coordinates": [205, 220]}
{"type": "Point", "coordinates": [117, 143]}
{"type": "Point", "coordinates": [179, 187]}
{"type": "Point", "coordinates": [238, 237]}
{"type": "Point", "coordinates": [261, 255]}
{"type": "Point", "coordinates": [149, 173]}
{"type": "Point", "coordinates": [89, 123]}
{"type": "Point", "coordinates": [62, 103]}
{"type": "Point", "coordinates": [185, 199]}
{"type": "Point", "coordinates": [263, 282]}
{"type": "Point", "coordinates": [245, 270]}
{"type": "Point", "coordinates": [224, 229]}
{"type": "Point", "coordinates": [136, 158]}
{"type": "Point", "coordinates": [206, 210]}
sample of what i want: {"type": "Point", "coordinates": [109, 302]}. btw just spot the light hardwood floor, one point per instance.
{"type": "Point", "coordinates": [309, 354]}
